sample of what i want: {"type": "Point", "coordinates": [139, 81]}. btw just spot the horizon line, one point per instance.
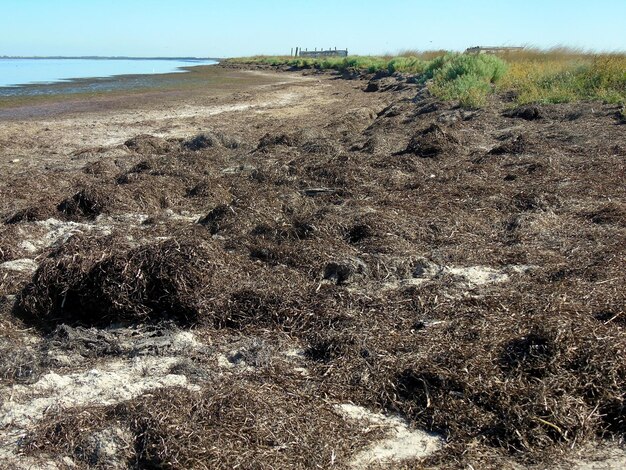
{"type": "Point", "coordinates": [119, 57]}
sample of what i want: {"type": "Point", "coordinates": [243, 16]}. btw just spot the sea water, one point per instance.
{"type": "Point", "coordinates": [19, 72]}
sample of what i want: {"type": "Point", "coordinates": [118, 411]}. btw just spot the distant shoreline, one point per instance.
{"type": "Point", "coordinates": [106, 58]}
{"type": "Point", "coordinates": [186, 75]}
{"type": "Point", "coordinates": [133, 92]}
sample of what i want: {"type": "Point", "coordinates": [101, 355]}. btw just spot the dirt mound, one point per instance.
{"type": "Point", "coordinates": [320, 146]}
{"type": "Point", "coordinates": [382, 82]}
{"type": "Point", "coordinates": [358, 233]}
{"type": "Point", "coordinates": [104, 167]}
{"type": "Point", "coordinates": [528, 201]}
{"type": "Point", "coordinates": [372, 86]}
{"type": "Point", "coordinates": [250, 307]}
{"type": "Point", "coordinates": [202, 141]}
{"type": "Point", "coordinates": [216, 218]}
{"type": "Point", "coordinates": [150, 283]}
{"type": "Point", "coordinates": [208, 189]}
{"type": "Point", "coordinates": [146, 144]}
{"type": "Point", "coordinates": [612, 213]}
{"type": "Point", "coordinates": [207, 140]}
{"type": "Point", "coordinates": [513, 146]}
{"type": "Point", "coordinates": [527, 112]}
{"type": "Point", "coordinates": [87, 203]}
{"type": "Point", "coordinates": [308, 140]}
{"type": "Point", "coordinates": [432, 142]}
{"type": "Point", "coordinates": [344, 271]}
{"type": "Point", "coordinates": [268, 141]}
{"type": "Point", "coordinates": [42, 211]}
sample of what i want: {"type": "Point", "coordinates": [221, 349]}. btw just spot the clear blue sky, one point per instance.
{"type": "Point", "coordinates": [245, 27]}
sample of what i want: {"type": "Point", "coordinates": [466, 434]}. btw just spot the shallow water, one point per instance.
{"type": "Point", "coordinates": [15, 73]}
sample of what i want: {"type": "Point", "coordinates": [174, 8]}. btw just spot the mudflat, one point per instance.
{"type": "Point", "coordinates": [263, 268]}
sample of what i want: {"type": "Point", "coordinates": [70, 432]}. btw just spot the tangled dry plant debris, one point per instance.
{"type": "Point", "coordinates": [247, 423]}
{"type": "Point", "coordinates": [365, 245]}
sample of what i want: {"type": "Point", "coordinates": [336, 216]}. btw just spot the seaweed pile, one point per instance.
{"type": "Point", "coordinates": [462, 270]}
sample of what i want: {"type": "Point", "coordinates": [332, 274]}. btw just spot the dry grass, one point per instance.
{"type": "Point", "coordinates": [565, 75]}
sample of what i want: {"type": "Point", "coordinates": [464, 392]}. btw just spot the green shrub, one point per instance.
{"type": "Point", "coordinates": [483, 66]}
{"type": "Point", "coordinates": [435, 65]}
{"type": "Point", "coordinates": [470, 90]}
{"type": "Point", "coordinates": [406, 65]}
{"type": "Point", "coordinates": [466, 78]}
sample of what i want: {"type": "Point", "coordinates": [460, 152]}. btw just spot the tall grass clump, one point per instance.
{"type": "Point", "coordinates": [406, 64]}
{"type": "Point", "coordinates": [565, 76]}
{"type": "Point", "coordinates": [466, 78]}
{"type": "Point", "coordinates": [371, 64]}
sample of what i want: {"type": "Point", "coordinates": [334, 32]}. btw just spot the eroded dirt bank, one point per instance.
{"type": "Point", "coordinates": [301, 274]}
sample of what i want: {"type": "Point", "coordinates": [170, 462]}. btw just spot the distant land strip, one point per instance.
{"type": "Point", "coordinates": [93, 57]}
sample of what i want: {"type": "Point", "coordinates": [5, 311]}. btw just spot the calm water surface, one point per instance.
{"type": "Point", "coordinates": [15, 73]}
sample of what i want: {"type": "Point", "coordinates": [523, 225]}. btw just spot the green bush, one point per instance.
{"type": "Point", "coordinates": [470, 90]}
{"type": "Point", "coordinates": [406, 65]}
{"type": "Point", "coordinates": [466, 78]}
{"type": "Point", "coordinates": [483, 66]}
{"type": "Point", "coordinates": [435, 65]}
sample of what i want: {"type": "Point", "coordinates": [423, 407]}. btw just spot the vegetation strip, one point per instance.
{"type": "Point", "coordinates": [534, 76]}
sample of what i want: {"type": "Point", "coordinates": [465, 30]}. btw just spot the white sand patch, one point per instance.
{"type": "Point", "coordinates": [138, 219]}
{"type": "Point", "coordinates": [294, 353]}
{"type": "Point", "coordinates": [28, 246]}
{"type": "Point", "coordinates": [129, 218]}
{"type": "Point", "coordinates": [46, 233]}
{"type": "Point", "coordinates": [130, 123]}
{"type": "Point", "coordinates": [24, 265]}
{"type": "Point", "coordinates": [223, 362]}
{"type": "Point", "coordinates": [481, 275]}
{"type": "Point", "coordinates": [183, 216]}
{"type": "Point", "coordinates": [404, 443]}
{"type": "Point", "coordinates": [9, 459]}
{"type": "Point", "coordinates": [55, 231]}
{"type": "Point", "coordinates": [469, 276]}
{"type": "Point", "coordinates": [110, 448]}
{"type": "Point", "coordinates": [59, 231]}
{"type": "Point", "coordinates": [114, 382]}
{"type": "Point", "coordinates": [185, 340]}
{"type": "Point", "coordinates": [611, 459]}
{"type": "Point", "coordinates": [477, 275]}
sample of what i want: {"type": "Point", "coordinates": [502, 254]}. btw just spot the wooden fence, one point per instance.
{"type": "Point", "coordinates": [321, 53]}
{"type": "Point", "coordinates": [490, 50]}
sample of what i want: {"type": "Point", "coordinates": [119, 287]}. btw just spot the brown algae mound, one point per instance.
{"type": "Point", "coordinates": [231, 423]}
{"type": "Point", "coordinates": [432, 142]}
{"type": "Point", "coordinates": [87, 203]}
{"type": "Point", "coordinates": [148, 144]}
{"type": "Point", "coordinates": [166, 280]}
